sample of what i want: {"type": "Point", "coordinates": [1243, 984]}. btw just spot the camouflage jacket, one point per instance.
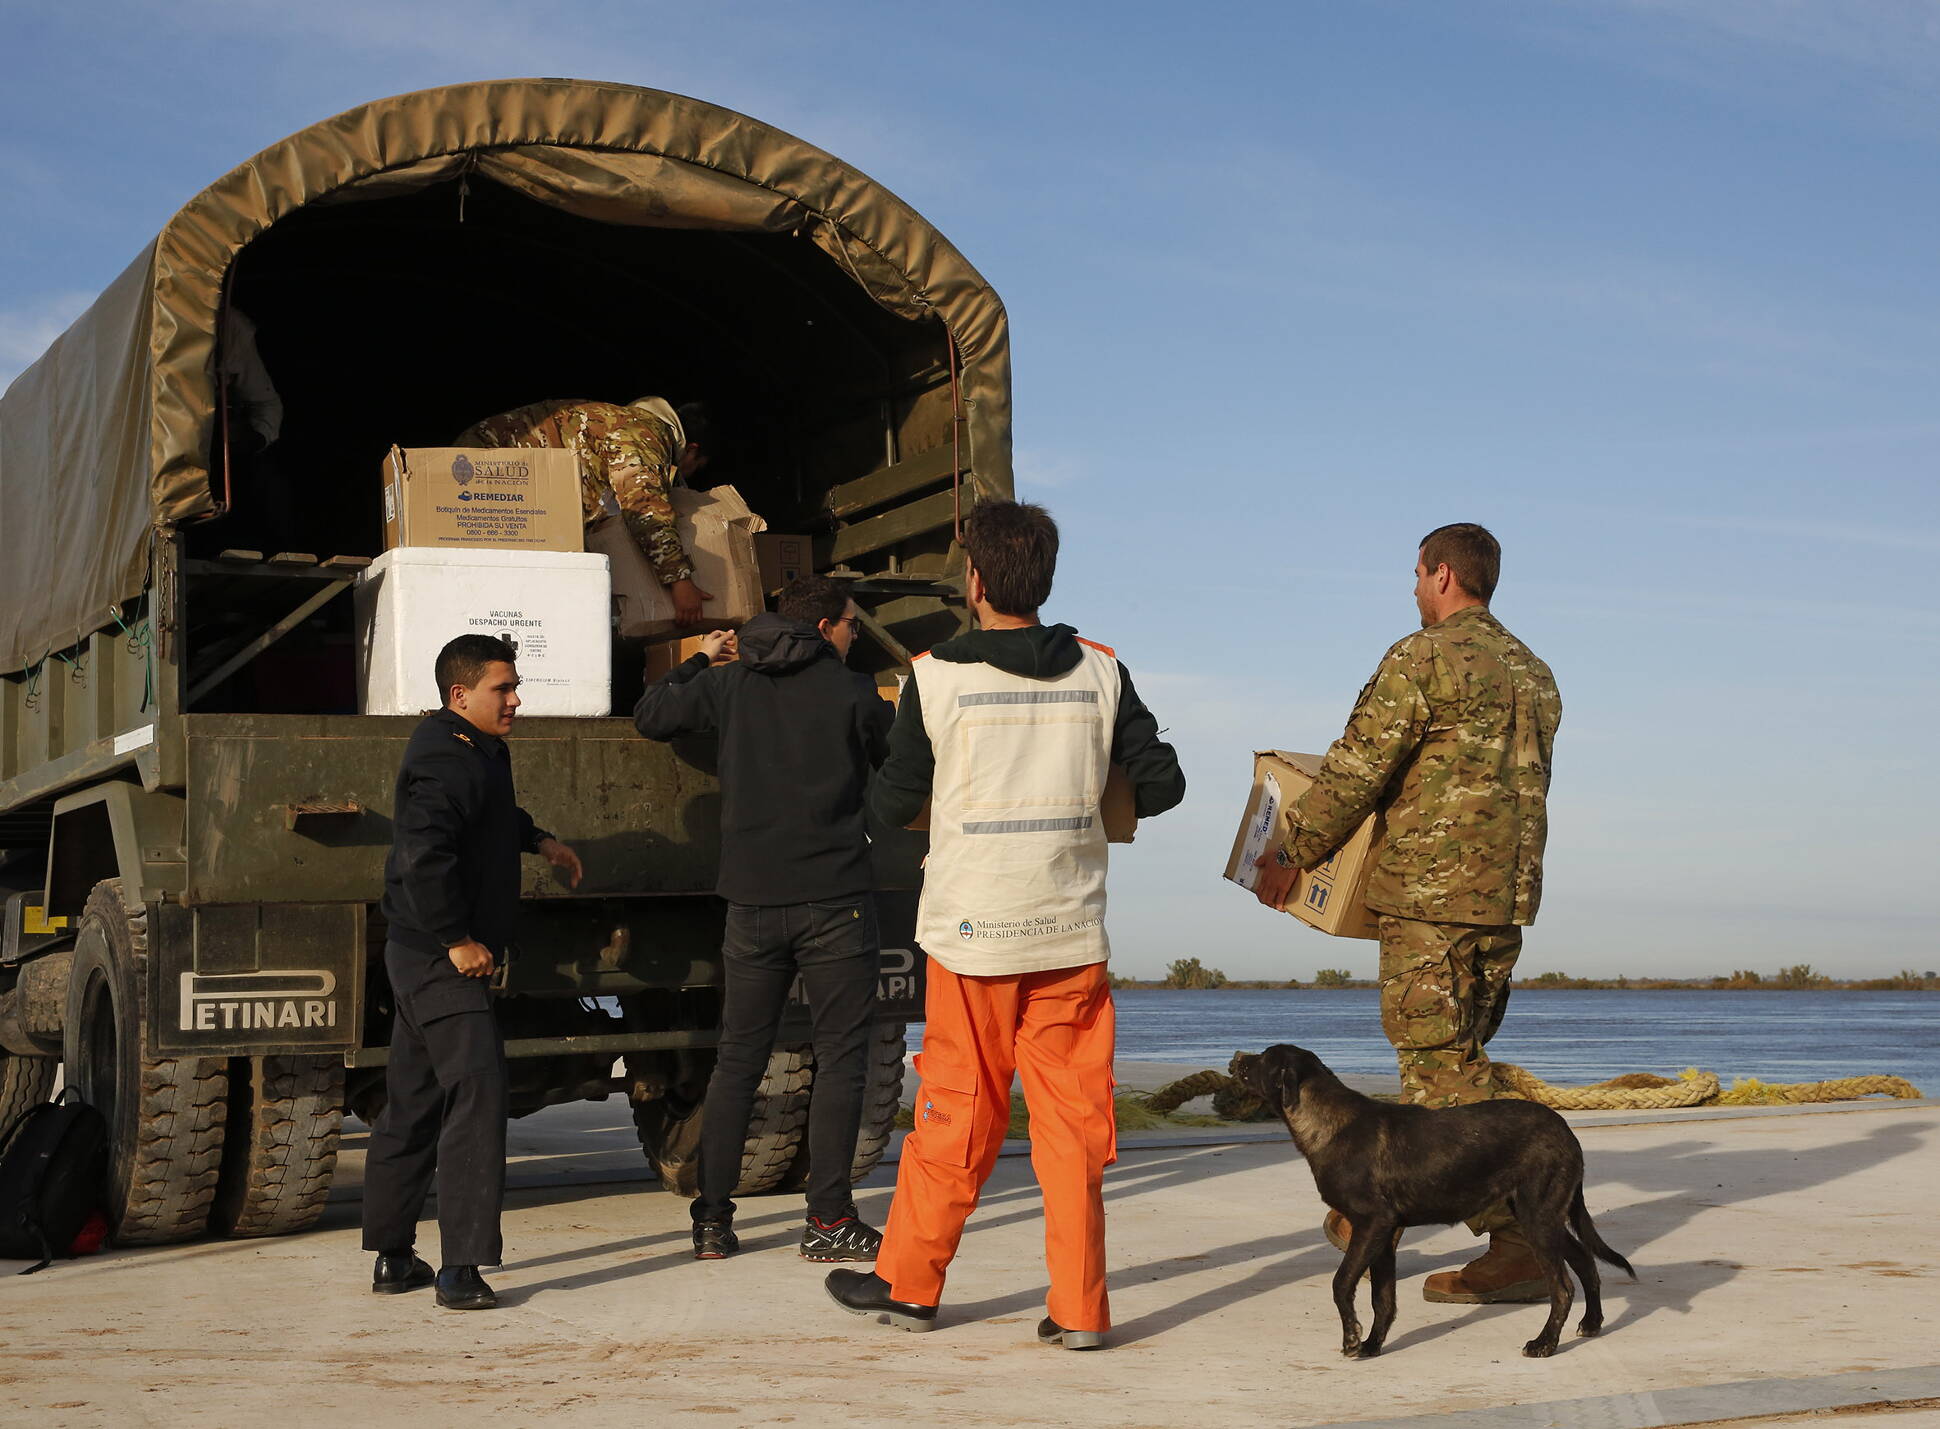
{"type": "Point", "coordinates": [1452, 738]}
{"type": "Point", "coordinates": [627, 459]}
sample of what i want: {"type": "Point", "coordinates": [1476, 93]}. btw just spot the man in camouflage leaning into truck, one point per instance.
{"type": "Point", "coordinates": [630, 458]}
{"type": "Point", "coordinates": [1451, 738]}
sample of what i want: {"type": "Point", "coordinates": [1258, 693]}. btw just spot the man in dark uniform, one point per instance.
{"type": "Point", "coordinates": [451, 897]}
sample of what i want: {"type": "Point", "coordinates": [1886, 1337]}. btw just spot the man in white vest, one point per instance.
{"type": "Point", "coordinates": [1007, 733]}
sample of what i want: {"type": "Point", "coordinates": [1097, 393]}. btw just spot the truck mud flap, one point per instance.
{"type": "Point", "coordinates": [251, 980]}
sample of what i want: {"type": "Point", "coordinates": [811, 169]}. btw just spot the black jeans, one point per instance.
{"type": "Point", "coordinates": [834, 948]}
{"type": "Point", "coordinates": [444, 1114]}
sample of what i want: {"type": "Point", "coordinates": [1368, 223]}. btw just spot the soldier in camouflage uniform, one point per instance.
{"type": "Point", "coordinates": [1451, 738]}
{"type": "Point", "coordinates": [630, 458]}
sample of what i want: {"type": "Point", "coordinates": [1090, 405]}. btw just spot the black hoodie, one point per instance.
{"type": "Point", "coordinates": [799, 732]}
{"type": "Point", "coordinates": [1039, 652]}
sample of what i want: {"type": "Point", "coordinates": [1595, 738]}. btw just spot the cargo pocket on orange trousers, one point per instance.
{"type": "Point", "coordinates": [946, 1108]}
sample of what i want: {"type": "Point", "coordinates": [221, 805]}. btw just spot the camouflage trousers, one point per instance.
{"type": "Point", "coordinates": [1444, 988]}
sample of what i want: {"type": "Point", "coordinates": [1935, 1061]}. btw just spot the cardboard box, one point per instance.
{"type": "Point", "coordinates": [1331, 897]}
{"type": "Point", "coordinates": [717, 531]}
{"type": "Point", "coordinates": [665, 655]}
{"type": "Point", "coordinates": [782, 559]}
{"type": "Point", "coordinates": [551, 604]}
{"type": "Point", "coordinates": [523, 498]}
{"type": "Point", "coordinates": [1116, 809]}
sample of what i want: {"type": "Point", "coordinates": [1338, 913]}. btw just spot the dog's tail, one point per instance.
{"type": "Point", "coordinates": [1585, 1229]}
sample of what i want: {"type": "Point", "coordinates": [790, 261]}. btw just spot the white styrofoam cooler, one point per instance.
{"type": "Point", "coordinates": [555, 606]}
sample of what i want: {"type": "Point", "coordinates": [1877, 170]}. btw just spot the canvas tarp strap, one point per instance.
{"type": "Point", "coordinates": [111, 431]}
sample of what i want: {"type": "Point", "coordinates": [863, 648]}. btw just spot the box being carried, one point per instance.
{"type": "Point", "coordinates": [526, 498]}
{"type": "Point", "coordinates": [552, 606]}
{"type": "Point", "coordinates": [1331, 897]}
{"type": "Point", "coordinates": [717, 531]}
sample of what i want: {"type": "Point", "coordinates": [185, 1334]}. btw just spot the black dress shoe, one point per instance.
{"type": "Point", "coordinates": [398, 1272]}
{"type": "Point", "coordinates": [460, 1287]}
{"type": "Point", "coordinates": [863, 1292]}
{"type": "Point", "coordinates": [1050, 1332]}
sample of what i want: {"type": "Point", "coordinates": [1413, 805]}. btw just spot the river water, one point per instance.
{"type": "Point", "coordinates": [1566, 1036]}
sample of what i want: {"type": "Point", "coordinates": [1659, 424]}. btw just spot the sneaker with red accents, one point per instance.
{"type": "Point", "coordinates": [844, 1239]}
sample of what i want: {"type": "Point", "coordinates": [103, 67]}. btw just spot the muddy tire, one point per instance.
{"type": "Point", "coordinates": [881, 1097]}
{"type": "Point", "coordinates": [24, 1082]}
{"type": "Point", "coordinates": [777, 1129]}
{"type": "Point", "coordinates": [280, 1149]}
{"type": "Point", "coordinates": [166, 1115]}
{"type": "Point", "coordinates": [671, 1138]}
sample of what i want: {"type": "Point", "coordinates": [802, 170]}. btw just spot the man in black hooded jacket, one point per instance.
{"type": "Point", "coordinates": [799, 732]}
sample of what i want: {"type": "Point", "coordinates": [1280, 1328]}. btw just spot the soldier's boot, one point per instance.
{"type": "Point", "coordinates": [1339, 1230]}
{"type": "Point", "coordinates": [1507, 1273]}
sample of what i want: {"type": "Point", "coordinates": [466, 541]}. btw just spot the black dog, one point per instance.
{"type": "Point", "coordinates": [1384, 1167]}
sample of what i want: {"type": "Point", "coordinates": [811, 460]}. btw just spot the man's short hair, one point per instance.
{"type": "Point", "coordinates": [463, 661]}
{"type": "Point", "coordinates": [1469, 551]}
{"type": "Point", "coordinates": [813, 599]}
{"type": "Point", "coordinates": [1014, 546]}
{"type": "Point", "coordinates": [697, 423]}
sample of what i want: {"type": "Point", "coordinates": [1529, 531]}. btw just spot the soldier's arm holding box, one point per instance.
{"type": "Point", "coordinates": [1389, 722]}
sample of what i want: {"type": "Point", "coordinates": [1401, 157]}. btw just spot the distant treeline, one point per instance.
{"type": "Point", "coordinates": [1800, 977]}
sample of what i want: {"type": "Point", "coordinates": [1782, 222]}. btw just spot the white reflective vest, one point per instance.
{"type": "Point", "coordinates": [1015, 880]}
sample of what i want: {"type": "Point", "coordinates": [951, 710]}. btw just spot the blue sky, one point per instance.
{"type": "Point", "coordinates": [1647, 286]}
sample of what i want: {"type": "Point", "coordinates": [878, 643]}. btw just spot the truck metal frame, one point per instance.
{"type": "Point", "coordinates": [191, 862]}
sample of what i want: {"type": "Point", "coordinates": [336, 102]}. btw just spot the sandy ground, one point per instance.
{"type": "Point", "coordinates": [1795, 1251]}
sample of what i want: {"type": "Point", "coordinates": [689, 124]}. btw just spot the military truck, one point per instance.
{"type": "Point", "coordinates": [193, 813]}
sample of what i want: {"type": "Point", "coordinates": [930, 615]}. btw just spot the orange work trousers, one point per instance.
{"type": "Point", "coordinates": [1056, 1028]}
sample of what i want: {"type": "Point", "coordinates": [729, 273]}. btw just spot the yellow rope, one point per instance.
{"type": "Point", "coordinates": [1642, 1091]}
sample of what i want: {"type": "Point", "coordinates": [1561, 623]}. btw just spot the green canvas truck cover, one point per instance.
{"type": "Point", "coordinates": [107, 437]}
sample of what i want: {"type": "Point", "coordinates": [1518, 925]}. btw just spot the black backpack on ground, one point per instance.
{"type": "Point", "coordinates": [53, 1167]}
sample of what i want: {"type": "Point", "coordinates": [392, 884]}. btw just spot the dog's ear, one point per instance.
{"type": "Point", "coordinates": [1286, 1081]}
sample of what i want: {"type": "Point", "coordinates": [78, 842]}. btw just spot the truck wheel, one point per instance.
{"type": "Point", "coordinates": [165, 1115]}
{"type": "Point", "coordinates": [670, 1137]}
{"type": "Point", "coordinates": [281, 1147]}
{"type": "Point", "coordinates": [672, 1141]}
{"type": "Point", "coordinates": [775, 1130]}
{"type": "Point", "coordinates": [24, 1082]}
{"type": "Point", "coordinates": [881, 1097]}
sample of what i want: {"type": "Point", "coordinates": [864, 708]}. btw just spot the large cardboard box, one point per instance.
{"type": "Point", "coordinates": [552, 605]}
{"type": "Point", "coordinates": [1331, 897]}
{"type": "Point", "coordinates": [783, 558]}
{"type": "Point", "coordinates": [717, 531]}
{"type": "Point", "coordinates": [522, 498]}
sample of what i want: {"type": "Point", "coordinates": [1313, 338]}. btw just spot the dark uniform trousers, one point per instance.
{"type": "Point", "coordinates": [444, 1115]}
{"type": "Point", "coordinates": [833, 946]}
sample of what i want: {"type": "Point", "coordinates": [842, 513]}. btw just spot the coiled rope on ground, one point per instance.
{"type": "Point", "coordinates": [1634, 1091]}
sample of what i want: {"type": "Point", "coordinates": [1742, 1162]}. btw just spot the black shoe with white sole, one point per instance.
{"type": "Point", "coordinates": [1050, 1332]}
{"type": "Point", "coordinates": [863, 1292]}
{"type": "Point", "coordinates": [846, 1239]}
